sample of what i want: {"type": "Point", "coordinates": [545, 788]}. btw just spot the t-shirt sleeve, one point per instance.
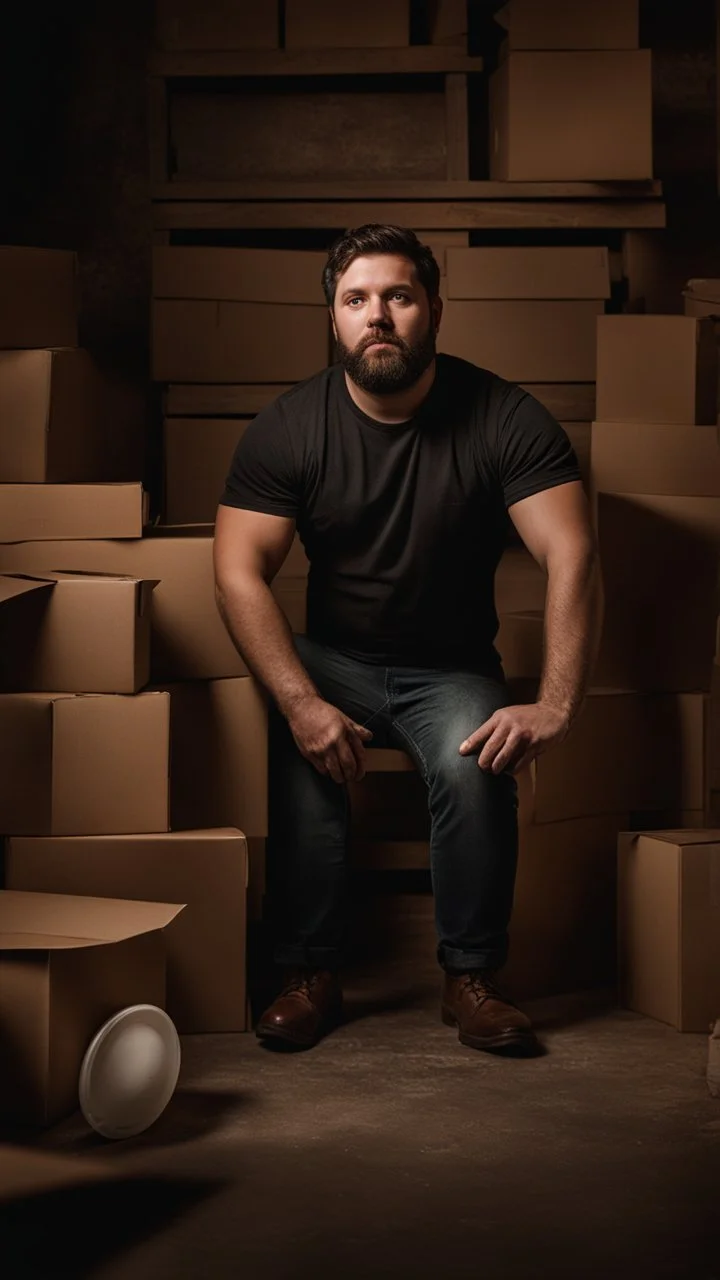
{"type": "Point", "coordinates": [264, 475]}
{"type": "Point", "coordinates": [534, 451]}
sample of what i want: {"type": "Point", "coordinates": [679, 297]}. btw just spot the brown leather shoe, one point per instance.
{"type": "Point", "coordinates": [484, 1018]}
{"type": "Point", "coordinates": [309, 1004]}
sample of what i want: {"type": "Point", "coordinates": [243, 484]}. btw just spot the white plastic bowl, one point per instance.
{"type": "Point", "coordinates": [130, 1071]}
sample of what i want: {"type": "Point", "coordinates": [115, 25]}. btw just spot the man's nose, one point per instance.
{"type": "Point", "coordinates": [378, 314]}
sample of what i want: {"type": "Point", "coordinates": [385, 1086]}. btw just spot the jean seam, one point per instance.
{"type": "Point", "coordinates": [396, 725]}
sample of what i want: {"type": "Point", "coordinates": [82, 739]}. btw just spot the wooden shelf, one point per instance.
{"type": "Point", "coordinates": [222, 63]}
{"type": "Point", "coordinates": [413, 190]}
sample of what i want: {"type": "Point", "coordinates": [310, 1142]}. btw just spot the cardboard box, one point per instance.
{"type": "Point", "coordinates": [183, 24]}
{"type": "Point", "coordinates": [580, 437]}
{"type": "Point", "coordinates": [67, 965]}
{"type": "Point", "coordinates": [523, 271]}
{"type": "Point", "coordinates": [281, 276]}
{"type": "Point", "coordinates": [198, 453]}
{"type": "Point", "coordinates": [291, 595]}
{"type": "Point", "coordinates": [448, 22]}
{"type": "Point", "coordinates": [519, 642]}
{"type": "Point", "coordinates": [565, 24]}
{"type": "Point", "coordinates": [575, 116]}
{"type": "Point", "coordinates": [702, 298]}
{"type": "Point", "coordinates": [39, 297]}
{"type": "Point", "coordinates": [524, 341]}
{"type": "Point", "coordinates": [218, 755]}
{"type": "Point", "coordinates": [520, 583]}
{"type": "Point", "coordinates": [90, 764]}
{"type": "Point", "coordinates": [207, 870]}
{"type": "Point", "coordinates": [56, 511]}
{"type": "Point", "coordinates": [79, 633]}
{"type": "Point", "coordinates": [203, 341]}
{"type": "Point", "coordinates": [323, 24]}
{"type": "Point", "coordinates": [656, 369]}
{"type": "Point", "coordinates": [67, 421]}
{"type": "Point", "coordinates": [655, 458]}
{"type": "Point", "coordinates": [659, 560]}
{"type": "Point", "coordinates": [669, 925]}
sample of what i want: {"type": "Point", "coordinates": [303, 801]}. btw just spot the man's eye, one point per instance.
{"type": "Point", "coordinates": [351, 300]}
{"type": "Point", "coordinates": [403, 296]}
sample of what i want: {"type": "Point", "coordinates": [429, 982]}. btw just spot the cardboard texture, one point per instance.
{"type": "Point", "coordinates": [565, 24]}
{"type": "Point", "coordinates": [198, 453]}
{"type": "Point", "coordinates": [522, 271]}
{"type": "Point", "coordinates": [323, 24]}
{"type": "Point", "coordinates": [57, 511]}
{"type": "Point", "coordinates": [207, 870]}
{"type": "Point", "coordinates": [656, 369]}
{"type": "Point", "coordinates": [79, 633]}
{"type": "Point", "coordinates": [239, 275]}
{"type": "Point", "coordinates": [216, 24]}
{"type": "Point", "coordinates": [204, 341]}
{"type": "Point", "coordinates": [669, 925]}
{"type": "Point", "coordinates": [67, 965]}
{"type": "Point", "coordinates": [39, 297]}
{"type": "Point", "coordinates": [659, 559]}
{"type": "Point", "coordinates": [655, 458]}
{"type": "Point", "coordinates": [574, 116]}
{"type": "Point", "coordinates": [90, 764]}
{"type": "Point", "coordinates": [524, 341]}
{"type": "Point", "coordinates": [67, 421]}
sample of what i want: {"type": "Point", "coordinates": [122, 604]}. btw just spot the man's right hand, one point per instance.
{"type": "Point", "coordinates": [330, 740]}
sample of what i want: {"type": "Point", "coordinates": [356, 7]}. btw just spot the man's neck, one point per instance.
{"type": "Point", "coordinates": [398, 407]}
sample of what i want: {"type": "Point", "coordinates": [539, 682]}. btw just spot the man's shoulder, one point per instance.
{"type": "Point", "coordinates": [306, 392]}
{"type": "Point", "coordinates": [478, 381]}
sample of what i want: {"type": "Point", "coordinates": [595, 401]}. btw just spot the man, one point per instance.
{"type": "Point", "coordinates": [397, 467]}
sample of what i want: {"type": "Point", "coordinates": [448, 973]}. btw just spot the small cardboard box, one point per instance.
{"type": "Point", "coordinates": [198, 454]}
{"type": "Point", "coordinates": [669, 925]}
{"type": "Point", "coordinates": [67, 965]}
{"type": "Point", "coordinates": [39, 299]}
{"type": "Point", "coordinates": [324, 24]}
{"type": "Point", "coordinates": [207, 870]}
{"type": "Point", "coordinates": [215, 24]}
{"type": "Point", "coordinates": [657, 457]}
{"type": "Point", "coordinates": [523, 271]}
{"type": "Point", "coordinates": [75, 632]}
{"type": "Point", "coordinates": [656, 369]}
{"type": "Point", "coordinates": [205, 341]}
{"type": "Point", "coordinates": [524, 341]}
{"type": "Point", "coordinates": [565, 24]}
{"type": "Point", "coordinates": [282, 276]}
{"type": "Point", "coordinates": [83, 764]}
{"type": "Point", "coordinates": [66, 421]}
{"type": "Point", "coordinates": [572, 117]}
{"type": "Point", "coordinates": [56, 511]}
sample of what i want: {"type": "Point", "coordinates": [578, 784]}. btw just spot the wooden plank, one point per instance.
{"type": "Point", "coordinates": [421, 215]}
{"type": "Point", "coordinates": [158, 131]}
{"type": "Point", "coordinates": [230, 63]}
{"type": "Point", "coordinates": [412, 189]}
{"type": "Point", "coordinates": [566, 401]}
{"type": "Point", "coordinates": [456, 128]}
{"type": "Point", "coordinates": [188, 400]}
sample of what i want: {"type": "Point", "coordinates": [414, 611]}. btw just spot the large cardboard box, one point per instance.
{"type": "Point", "coordinates": [669, 925]}
{"type": "Point", "coordinates": [702, 298]}
{"type": "Point", "coordinates": [519, 642]}
{"type": "Point", "coordinates": [656, 369]}
{"type": "Point", "coordinates": [83, 764]}
{"type": "Point", "coordinates": [198, 453]}
{"type": "Point", "coordinates": [78, 633]}
{"type": "Point", "coordinates": [55, 511]}
{"type": "Point", "coordinates": [216, 24]}
{"type": "Point", "coordinates": [655, 458]}
{"type": "Point", "coordinates": [524, 341]}
{"type": "Point", "coordinates": [528, 271]}
{"type": "Point", "coordinates": [239, 275]}
{"type": "Point", "coordinates": [67, 965]}
{"type": "Point", "coordinates": [204, 341]}
{"type": "Point", "coordinates": [567, 24]}
{"type": "Point", "coordinates": [39, 297]}
{"type": "Point", "coordinates": [659, 558]}
{"type": "Point", "coordinates": [207, 870]}
{"type": "Point", "coordinates": [580, 437]}
{"type": "Point", "coordinates": [324, 24]}
{"type": "Point", "coordinates": [572, 116]}
{"type": "Point", "coordinates": [65, 420]}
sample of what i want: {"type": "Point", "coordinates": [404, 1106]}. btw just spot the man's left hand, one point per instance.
{"type": "Point", "coordinates": [513, 736]}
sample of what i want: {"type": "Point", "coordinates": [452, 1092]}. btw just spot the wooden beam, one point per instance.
{"type": "Point", "coordinates": [232, 63]}
{"type": "Point", "coordinates": [456, 128]}
{"type": "Point", "coordinates": [406, 190]}
{"type": "Point", "coordinates": [421, 215]}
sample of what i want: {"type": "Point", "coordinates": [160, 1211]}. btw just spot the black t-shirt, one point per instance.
{"type": "Point", "coordinates": [403, 525]}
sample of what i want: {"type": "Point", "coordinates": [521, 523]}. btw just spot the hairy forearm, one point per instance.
{"type": "Point", "coordinates": [573, 622]}
{"type": "Point", "coordinates": [262, 636]}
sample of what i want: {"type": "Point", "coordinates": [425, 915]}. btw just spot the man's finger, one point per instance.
{"type": "Point", "coordinates": [494, 744]}
{"type": "Point", "coordinates": [471, 743]}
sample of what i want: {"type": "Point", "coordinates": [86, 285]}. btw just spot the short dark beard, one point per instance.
{"type": "Point", "coordinates": [385, 372]}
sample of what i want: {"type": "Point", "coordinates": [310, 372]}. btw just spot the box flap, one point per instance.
{"type": "Point", "coordinates": [93, 575]}
{"type": "Point", "coordinates": [13, 585]}
{"type": "Point", "coordinates": [706, 289]}
{"type": "Point", "coordinates": [685, 836]}
{"type": "Point", "coordinates": [64, 920]}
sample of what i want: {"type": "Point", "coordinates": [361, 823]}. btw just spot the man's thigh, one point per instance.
{"type": "Point", "coordinates": [358, 689]}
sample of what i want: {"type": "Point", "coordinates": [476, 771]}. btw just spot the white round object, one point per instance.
{"type": "Point", "coordinates": [130, 1071]}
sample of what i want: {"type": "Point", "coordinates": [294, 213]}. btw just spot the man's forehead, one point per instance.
{"type": "Point", "coordinates": [378, 269]}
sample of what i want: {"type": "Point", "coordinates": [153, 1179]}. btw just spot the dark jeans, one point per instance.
{"type": "Point", "coordinates": [474, 837]}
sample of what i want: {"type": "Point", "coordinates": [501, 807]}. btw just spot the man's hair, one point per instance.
{"type": "Point", "coordinates": [378, 237]}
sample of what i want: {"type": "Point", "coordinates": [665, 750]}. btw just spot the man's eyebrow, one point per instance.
{"type": "Point", "coordinates": [350, 293]}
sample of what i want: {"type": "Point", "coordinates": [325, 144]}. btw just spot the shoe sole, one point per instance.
{"type": "Point", "coordinates": [263, 1031]}
{"type": "Point", "coordinates": [511, 1038]}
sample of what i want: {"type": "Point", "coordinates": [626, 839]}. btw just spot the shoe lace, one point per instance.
{"type": "Point", "coordinates": [301, 982]}
{"type": "Point", "coordinates": [482, 984]}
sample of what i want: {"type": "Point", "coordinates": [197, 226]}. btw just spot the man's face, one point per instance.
{"type": "Point", "coordinates": [383, 323]}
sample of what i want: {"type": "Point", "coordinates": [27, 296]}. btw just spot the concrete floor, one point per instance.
{"type": "Point", "coordinates": [392, 1150]}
